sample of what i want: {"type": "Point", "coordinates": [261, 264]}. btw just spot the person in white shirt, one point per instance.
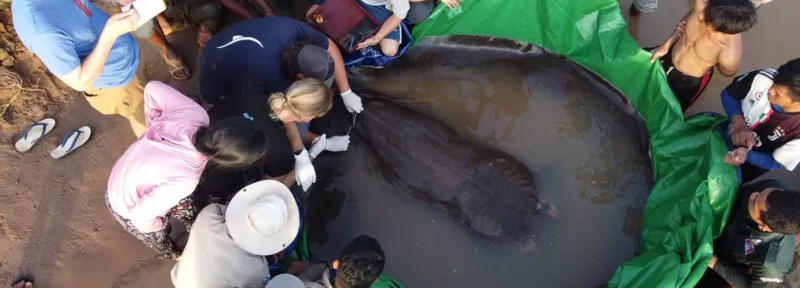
{"type": "Point", "coordinates": [391, 14]}
{"type": "Point", "coordinates": [227, 245]}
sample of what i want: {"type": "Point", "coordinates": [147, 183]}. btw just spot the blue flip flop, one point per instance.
{"type": "Point", "coordinates": [73, 140]}
{"type": "Point", "coordinates": [34, 133]}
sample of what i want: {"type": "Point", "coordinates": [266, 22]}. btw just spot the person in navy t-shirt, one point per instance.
{"type": "Point", "coordinates": [764, 111]}
{"type": "Point", "coordinates": [277, 51]}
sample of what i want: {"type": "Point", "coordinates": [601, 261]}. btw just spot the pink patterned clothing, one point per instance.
{"type": "Point", "coordinates": [163, 166]}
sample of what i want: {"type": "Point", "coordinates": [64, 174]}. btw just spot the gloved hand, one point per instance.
{"type": "Point", "coordinates": [352, 101]}
{"type": "Point", "coordinates": [333, 144]}
{"type": "Point", "coordinates": [304, 172]}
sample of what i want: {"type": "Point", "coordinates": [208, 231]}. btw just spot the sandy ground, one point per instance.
{"type": "Point", "coordinates": [53, 222]}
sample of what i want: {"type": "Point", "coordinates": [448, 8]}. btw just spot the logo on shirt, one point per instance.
{"type": "Point", "coordinates": [239, 38]}
{"type": "Point", "coordinates": [758, 95]}
{"type": "Point", "coordinates": [750, 245]}
{"type": "Point", "coordinates": [777, 133]}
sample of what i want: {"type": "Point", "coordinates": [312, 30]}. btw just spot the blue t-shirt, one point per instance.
{"type": "Point", "coordinates": [252, 47]}
{"type": "Point", "coordinates": [62, 35]}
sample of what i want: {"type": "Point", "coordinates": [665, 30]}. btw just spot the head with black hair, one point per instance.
{"type": "Point", "coordinates": [234, 142]}
{"type": "Point", "coordinates": [776, 210]}
{"type": "Point", "coordinates": [785, 91]}
{"type": "Point", "coordinates": [729, 16]}
{"type": "Point", "coordinates": [360, 264]}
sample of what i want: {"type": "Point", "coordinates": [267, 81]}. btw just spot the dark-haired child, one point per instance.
{"type": "Point", "coordinates": [359, 266]}
{"type": "Point", "coordinates": [707, 37]}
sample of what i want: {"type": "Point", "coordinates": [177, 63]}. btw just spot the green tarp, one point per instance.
{"type": "Point", "coordinates": [691, 199]}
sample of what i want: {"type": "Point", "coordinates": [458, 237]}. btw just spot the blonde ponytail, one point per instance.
{"type": "Point", "coordinates": [306, 97]}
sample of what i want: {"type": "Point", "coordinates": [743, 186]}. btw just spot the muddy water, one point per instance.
{"type": "Point", "coordinates": [586, 154]}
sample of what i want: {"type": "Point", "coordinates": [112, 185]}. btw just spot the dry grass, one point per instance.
{"type": "Point", "coordinates": [10, 80]}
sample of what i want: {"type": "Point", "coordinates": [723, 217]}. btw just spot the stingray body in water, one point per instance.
{"type": "Point", "coordinates": [481, 186]}
{"type": "Point", "coordinates": [585, 145]}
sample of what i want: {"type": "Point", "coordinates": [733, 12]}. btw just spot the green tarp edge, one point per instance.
{"type": "Point", "coordinates": [694, 189]}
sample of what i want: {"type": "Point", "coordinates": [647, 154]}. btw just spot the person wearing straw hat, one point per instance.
{"type": "Point", "coordinates": [228, 244]}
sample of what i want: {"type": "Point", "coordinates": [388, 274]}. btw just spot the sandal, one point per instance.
{"type": "Point", "coordinates": [73, 140]}
{"type": "Point", "coordinates": [34, 133]}
{"type": "Point", "coordinates": [177, 68]}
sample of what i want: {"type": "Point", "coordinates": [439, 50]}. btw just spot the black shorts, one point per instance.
{"type": "Point", "coordinates": [685, 87]}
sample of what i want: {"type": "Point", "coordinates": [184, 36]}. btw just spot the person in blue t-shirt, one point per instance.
{"type": "Point", "coordinates": [92, 52]}
{"type": "Point", "coordinates": [276, 51]}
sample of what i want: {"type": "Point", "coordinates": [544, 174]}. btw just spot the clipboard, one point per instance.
{"type": "Point", "coordinates": [344, 21]}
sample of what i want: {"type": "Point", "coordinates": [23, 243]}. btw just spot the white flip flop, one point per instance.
{"type": "Point", "coordinates": [34, 133]}
{"type": "Point", "coordinates": [73, 140]}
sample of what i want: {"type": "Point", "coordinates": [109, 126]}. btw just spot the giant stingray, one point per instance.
{"type": "Point", "coordinates": [480, 185]}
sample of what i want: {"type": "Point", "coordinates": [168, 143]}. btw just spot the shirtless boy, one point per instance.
{"type": "Point", "coordinates": [706, 37]}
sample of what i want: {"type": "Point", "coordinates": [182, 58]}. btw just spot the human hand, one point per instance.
{"type": "Point", "coordinates": [297, 267]}
{"type": "Point", "coordinates": [743, 136]}
{"type": "Point", "coordinates": [318, 146]}
{"type": "Point", "coordinates": [304, 170]}
{"type": "Point", "coordinates": [338, 143]}
{"type": "Point", "coordinates": [369, 42]}
{"type": "Point", "coordinates": [713, 261]}
{"type": "Point", "coordinates": [278, 256]}
{"type": "Point", "coordinates": [121, 23]}
{"type": "Point", "coordinates": [452, 3]}
{"type": "Point", "coordinates": [658, 52]}
{"type": "Point", "coordinates": [352, 101]}
{"type": "Point", "coordinates": [737, 156]}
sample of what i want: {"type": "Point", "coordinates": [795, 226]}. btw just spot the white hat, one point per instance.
{"type": "Point", "coordinates": [285, 281]}
{"type": "Point", "coordinates": [262, 218]}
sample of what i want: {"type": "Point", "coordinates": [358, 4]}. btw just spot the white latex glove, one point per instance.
{"type": "Point", "coordinates": [333, 144]}
{"type": "Point", "coordinates": [352, 101]}
{"type": "Point", "coordinates": [304, 172]}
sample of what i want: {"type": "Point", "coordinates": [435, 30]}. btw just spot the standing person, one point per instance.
{"type": "Point", "coordinates": [155, 177]}
{"type": "Point", "coordinates": [228, 245]}
{"type": "Point", "coordinates": [756, 248]}
{"type": "Point", "coordinates": [289, 50]}
{"type": "Point", "coordinates": [92, 52]}
{"type": "Point", "coordinates": [707, 37]}
{"type": "Point", "coordinates": [764, 111]}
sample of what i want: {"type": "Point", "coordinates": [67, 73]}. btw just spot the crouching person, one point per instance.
{"type": "Point", "coordinates": [756, 249]}
{"type": "Point", "coordinates": [229, 246]}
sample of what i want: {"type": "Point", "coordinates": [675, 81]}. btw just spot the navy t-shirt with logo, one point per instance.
{"type": "Point", "coordinates": [252, 47]}
{"type": "Point", "coordinates": [776, 131]}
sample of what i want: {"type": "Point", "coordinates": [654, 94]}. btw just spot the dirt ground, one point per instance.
{"type": "Point", "coordinates": [53, 221]}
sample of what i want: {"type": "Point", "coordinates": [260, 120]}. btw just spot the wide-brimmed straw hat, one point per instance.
{"type": "Point", "coordinates": [262, 218]}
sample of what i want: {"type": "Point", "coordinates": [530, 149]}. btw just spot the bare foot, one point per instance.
{"type": "Point", "coordinates": [203, 34]}
{"type": "Point", "coordinates": [23, 283]}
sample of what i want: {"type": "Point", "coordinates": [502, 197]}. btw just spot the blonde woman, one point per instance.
{"type": "Point", "coordinates": [282, 116]}
{"type": "Point", "coordinates": [304, 101]}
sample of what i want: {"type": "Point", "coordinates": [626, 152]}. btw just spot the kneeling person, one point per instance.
{"type": "Point", "coordinates": [764, 110]}
{"type": "Point", "coordinates": [756, 249]}
{"type": "Point", "coordinates": [227, 245]}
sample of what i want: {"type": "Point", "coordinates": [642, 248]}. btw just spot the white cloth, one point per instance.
{"type": "Point", "coordinates": [212, 260]}
{"type": "Point", "coordinates": [398, 7]}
